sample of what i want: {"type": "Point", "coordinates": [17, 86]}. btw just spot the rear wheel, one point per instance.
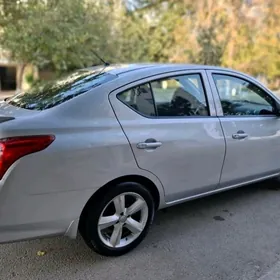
{"type": "Point", "coordinates": [117, 222]}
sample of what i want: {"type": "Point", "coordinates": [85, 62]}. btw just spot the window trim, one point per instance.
{"type": "Point", "coordinates": [130, 107]}
{"type": "Point", "coordinates": [241, 76]}
{"type": "Point", "coordinates": [153, 97]}
{"type": "Point", "coordinates": [199, 72]}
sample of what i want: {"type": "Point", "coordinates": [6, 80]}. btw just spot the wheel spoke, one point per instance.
{"type": "Point", "coordinates": [120, 225]}
{"type": "Point", "coordinates": [107, 221]}
{"type": "Point", "coordinates": [119, 203]}
{"type": "Point", "coordinates": [116, 235]}
{"type": "Point", "coordinates": [134, 226]}
{"type": "Point", "coordinates": [135, 207]}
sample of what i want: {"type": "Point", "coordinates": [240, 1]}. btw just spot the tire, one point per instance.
{"type": "Point", "coordinates": [130, 208]}
{"type": "Point", "coordinates": [272, 184]}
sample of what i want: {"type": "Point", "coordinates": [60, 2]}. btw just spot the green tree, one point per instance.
{"type": "Point", "coordinates": [266, 50]}
{"type": "Point", "coordinates": [201, 34]}
{"type": "Point", "coordinates": [145, 34]}
{"type": "Point", "coordinates": [60, 35]}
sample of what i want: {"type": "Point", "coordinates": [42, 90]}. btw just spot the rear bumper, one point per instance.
{"type": "Point", "coordinates": [22, 219]}
{"type": "Point", "coordinates": [30, 231]}
{"type": "Point", "coordinates": [25, 216]}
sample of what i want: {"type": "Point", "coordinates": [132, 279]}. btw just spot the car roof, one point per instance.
{"type": "Point", "coordinates": [129, 75]}
{"type": "Point", "coordinates": [121, 69]}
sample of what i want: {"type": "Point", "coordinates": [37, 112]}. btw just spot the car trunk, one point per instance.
{"type": "Point", "coordinates": [9, 112]}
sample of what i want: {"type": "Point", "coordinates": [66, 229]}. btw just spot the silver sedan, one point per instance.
{"type": "Point", "coordinates": [103, 148]}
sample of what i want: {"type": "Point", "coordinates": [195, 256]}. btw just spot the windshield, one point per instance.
{"type": "Point", "coordinates": [56, 92]}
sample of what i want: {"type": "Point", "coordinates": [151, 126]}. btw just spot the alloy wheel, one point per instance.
{"type": "Point", "coordinates": [123, 219]}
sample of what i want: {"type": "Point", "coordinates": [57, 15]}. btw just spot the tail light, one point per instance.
{"type": "Point", "coordinates": [13, 148]}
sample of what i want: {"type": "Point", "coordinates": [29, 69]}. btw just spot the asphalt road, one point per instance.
{"type": "Point", "coordinates": [232, 235]}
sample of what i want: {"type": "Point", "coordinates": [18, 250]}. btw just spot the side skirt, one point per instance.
{"type": "Point", "coordinates": [218, 190]}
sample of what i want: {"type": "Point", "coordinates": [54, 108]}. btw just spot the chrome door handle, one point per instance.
{"type": "Point", "coordinates": [148, 145]}
{"type": "Point", "coordinates": [240, 135]}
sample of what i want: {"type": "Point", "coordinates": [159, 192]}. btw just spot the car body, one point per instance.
{"type": "Point", "coordinates": [226, 135]}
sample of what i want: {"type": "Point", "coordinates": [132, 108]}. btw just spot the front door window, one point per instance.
{"type": "Point", "coordinates": [242, 98]}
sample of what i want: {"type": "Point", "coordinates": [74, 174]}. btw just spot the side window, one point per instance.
{"type": "Point", "coordinates": [240, 97]}
{"type": "Point", "coordinates": [180, 96]}
{"type": "Point", "coordinates": [140, 99]}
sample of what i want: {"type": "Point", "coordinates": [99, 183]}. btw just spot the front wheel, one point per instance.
{"type": "Point", "coordinates": [117, 222]}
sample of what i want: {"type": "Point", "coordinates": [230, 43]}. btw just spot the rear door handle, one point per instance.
{"type": "Point", "coordinates": [148, 145]}
{"type": "Point", "coordinates": [240, 135]}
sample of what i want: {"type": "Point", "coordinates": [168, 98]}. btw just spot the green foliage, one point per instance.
{"type": "Point", "coordinates": [61, 34]}
{"type": "Point", "coordinates": [145, 36]}
{"type": "Point", "coordinates": [211, 51]}
{"type": "Point", "coordinates": [30, 79]}
{"type": "Point", "coordinates": [132, 41]}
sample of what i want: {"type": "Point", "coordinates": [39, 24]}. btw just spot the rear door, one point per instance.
{"type": "Point", "coordinates": [252, 129]}
{"type": "Point", "coordinates": [171, 124]}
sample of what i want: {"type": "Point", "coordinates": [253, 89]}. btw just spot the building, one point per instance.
{"type": "Point", "coordinates": [13, 76]}
{"type": "Point", "coordinates": [9, 78]}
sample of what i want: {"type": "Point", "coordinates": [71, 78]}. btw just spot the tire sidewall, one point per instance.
{"type": "Point", "coordinates": [99, 205]}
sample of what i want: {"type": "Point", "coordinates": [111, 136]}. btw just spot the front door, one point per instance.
{"type": "Point", "coordinates": [251, 128]}
{"type": "Point", "coordinates": [171, 126]}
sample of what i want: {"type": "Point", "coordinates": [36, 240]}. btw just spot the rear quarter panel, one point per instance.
{"type": "Point", "coordinates": [89, 151]}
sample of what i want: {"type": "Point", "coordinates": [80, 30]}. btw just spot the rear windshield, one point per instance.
{"type": "Point", "coordinates": [56, 92]}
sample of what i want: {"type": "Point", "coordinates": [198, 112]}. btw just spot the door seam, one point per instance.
{"type": "Point", "coordinates": [225, 153]}
{"type": "Point", "coordinates": [209, 84]}
{"type": "Point", "coordinates": [215, 105]}
{"type": "Point", "coordinates": [132, 149]}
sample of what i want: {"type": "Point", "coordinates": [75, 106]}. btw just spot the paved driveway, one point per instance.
{"type": "Point", "coordinates": [233, 235]}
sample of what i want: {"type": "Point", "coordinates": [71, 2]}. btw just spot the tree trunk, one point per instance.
{"type": "Point", "coordinates": [20, 77]}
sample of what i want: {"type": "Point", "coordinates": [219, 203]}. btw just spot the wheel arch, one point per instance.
{"type": "Point", "coordinates": [149, 184]}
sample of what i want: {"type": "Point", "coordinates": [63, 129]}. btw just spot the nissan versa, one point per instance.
{"type": "Point", "coordinates": [103, 148]}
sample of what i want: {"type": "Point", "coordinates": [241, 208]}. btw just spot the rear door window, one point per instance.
{"type": "Point", "coordinates": [59, 91]}
{"type": "Point", "coordinates": [180, 96]}
{"type": "Point", "coordinates": [140, 99]}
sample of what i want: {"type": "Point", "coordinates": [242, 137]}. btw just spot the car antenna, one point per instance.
{"type": "Point", "coordinates": [103, 61]}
